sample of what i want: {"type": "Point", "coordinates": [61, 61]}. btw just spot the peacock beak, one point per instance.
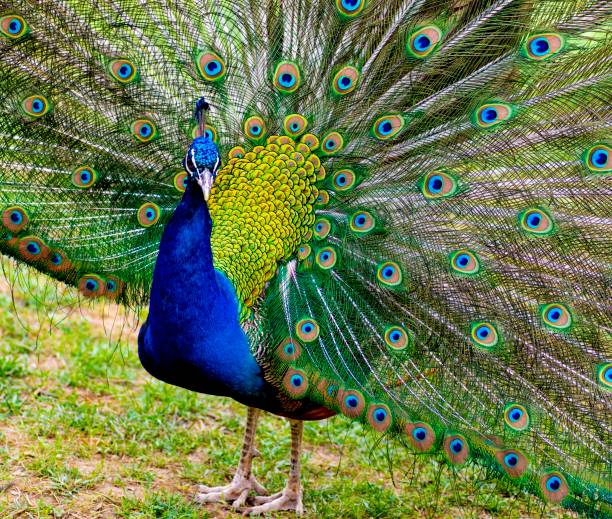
{"type": "Point", "coordinates": [205, 179]}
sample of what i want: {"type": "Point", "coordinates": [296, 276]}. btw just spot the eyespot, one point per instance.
{"type": "Point", "coordinates": [554, 487]}
{"type": "Point", "coordinates": [362, 223]}
{"type": "Point", "coordinates": [456, 448]}
{"type": "Point", "coordinates": [350, 8]}
{"type": "Point", "coordinates": [123, 70]}
{"type": "Point", "coordinates": [310, 140]}
{"type": "Point", "coordinates": [33, 248]}
{"type": "Point", "coordinates": [345, 80]}
{"type": "Point", "coordinates": [397, 338]}
{"type": "Point", "coordinates": [295, 125]}
{"type": "Point", "coordinates": [438, 184]}
{"type": "Point", "coordinates": [287, 77]}
{"type": "Point", "coordinates": [513, 462]}
{"type": "Point", "coordinates": [344, 180]}
{"type": "Point", "coordinates": [13, 26]}
{"type": "Point", "coordinates": [148, 214]}
{"type": "Point", "coordinates": [492, 114]}
{"type": "Point", "coordinates": [322, 198]}
{"type": "Point", "coordinates": [144, 130]}
{"type": "Point", "coordinates": [326, 258]}
{"type": "Point", "coordinates": [304, 251]}
{"type": "Point", "coordinates": [84, 177]}
{"type": "Point", "coordinates": [604, 375]}
{"type": "Point", "coordinates": [351, 403]}
{"type": "Point", "coordinates": [255, 128]}
{"type": "Point", "coordinates": [211, 66]}
{"type": "Point", "coordinates": [322, 228]}
{"type": "Point", "coordinates": [421, 436]}
{"type": "Point", "coordinates": [288, 350]}
{"type": "Point", "coordinates": [387, 127]}
{"type": "Point", "coordinates": [210, 133]}
{"type": "Point", "coordinates": [556, 316]}
{"type": "Point", "coordinates": [180, 181]}
{"type": "Point", "coordinates": [295, 383]}
{"type": "Point", "coordinates": [379, 417]}
{"type": "Point", "coordinates": [536, 221]}
{"type": "Point", "coordinates": [91, 285]}
{"type": "Point", "coordinates": [389, 274]}
{"type": "Point", "coordinates": [423, 42]}
{"type": "Point", "coordinates": [597, 159]}
{"type": "Point", "coordinates": [465, 262]}
{"type": "Point", "coordinates": [113, 287]}
{"type": "Point", "coordinates": [484, 335]}
{"type": "Point", "coordinates": [35, 106]}
{"type": "Point", "coordinates": [332, 143]}
{"type": "Point", "coordinates": [15, 218]}
{"type": "Point", "coordinates": [307, 330]}
{"type": "Point", "coordinates": [516, 417]}
{"type": "Point", "coordinates": [543, 46]}
{"type": "Point", "coordinates": [58, 261]}
{"type": "Point", "coordinates": [237, 152]}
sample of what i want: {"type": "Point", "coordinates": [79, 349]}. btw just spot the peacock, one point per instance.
{"type": "Point", "coordinates": [394, 210]}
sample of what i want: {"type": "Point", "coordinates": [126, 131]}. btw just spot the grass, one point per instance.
{"type": "Point", "coordinates": [86, 433]}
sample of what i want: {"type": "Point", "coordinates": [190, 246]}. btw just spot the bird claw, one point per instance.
{"type": "Point", "coordinates": [285, 500]}
{"type": "Point", "coordinates": [237, 492]}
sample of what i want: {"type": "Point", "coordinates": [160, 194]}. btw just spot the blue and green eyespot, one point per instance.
{"type": "Point", "coordinates": [492, 114]}
{"type": "Point", "coordinates": [484, 335]}
{"type": "Point", "coordinates": [84, 177]}
{"type": "Point", "coordinates": [13, 26]}
{"type": "Point", "coordinates": [389, 274]}
{"type": "Point", "coordinates": [345, 80]}
{"type": "Point", "coordinates": [36, 106]}
{"type": "Point", "coordinates": [255, 128]}
{"type": "Point", "coordinates": [465, 261]}
{"type": "Point", "coordinates": [438, 184]}
{"type": "Point", "coordinates": [422, 42]}
{"type": "Point", "coordinates": [516, 417]}
{"type": "Point", "coordinates": [287, 77]}
{"type": "Point", "coordinates": [123, 70]}
{"type": "Point", "coordinates": [536, 221]}
{"type": "Point", "coordinates": [542, 46]}
{"type": "Point", "coordinates": [387, 126]}
{"type": "Point", "coordinates": [597, 158]}
{"type": "Point", "coordinates": [307, 330]}
{"type": "Point", "coordinates": [350, 8]}
{"type": "Point", "coordinates": [148, 214]}
{"type": "Point", "coordinates": [210, 66]}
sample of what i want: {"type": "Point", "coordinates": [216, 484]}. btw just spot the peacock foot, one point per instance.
{"type": "Point", "coordinates": [236, 492]}
{"type": "Point", "coordinates": [288, 499]}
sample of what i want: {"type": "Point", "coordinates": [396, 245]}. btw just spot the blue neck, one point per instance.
{"type": "Point", "coordinates": [192, 337]}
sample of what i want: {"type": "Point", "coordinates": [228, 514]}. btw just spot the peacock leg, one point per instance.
{"type": "Point", "coordinates": [291, 497]}
{"type": "Point", "coordinates": [244, 482]}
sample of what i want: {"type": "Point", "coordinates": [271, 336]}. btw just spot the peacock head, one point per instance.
{"type": "Point", "coordinates": [202, 160]}
{"type": "Point", "coordinates": [202, 163]}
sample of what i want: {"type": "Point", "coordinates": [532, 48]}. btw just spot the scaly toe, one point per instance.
{"type": "Point", "coordinates": [281, 501]}
{"type": "Point", "coordinates": [236, 492]}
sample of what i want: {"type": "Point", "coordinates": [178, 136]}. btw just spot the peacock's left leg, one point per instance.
{"type": "Point", "coordinates": [291, 497]}
{"type": "Point", "coordinates": [244, 482]}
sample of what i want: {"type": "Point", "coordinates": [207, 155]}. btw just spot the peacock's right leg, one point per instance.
{"type": "Point", "coordinates": [244, 482]}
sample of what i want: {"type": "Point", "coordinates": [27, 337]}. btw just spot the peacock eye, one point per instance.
{"type": "Point", "coordinates": [148, 214]}
{"type": "Point", "coordinates": [295, 124]}
{"type": "Point", "coordinates": [84, 177]}
{"type": "Point", "coordinates": [362, 223]}
{"type": "Point", "coordinates": [597, 159]}
{"type": "Point", "coordinates": [13, 26]}
{"type": "Point", "coordinates": [484, 335]}
{"type": "Point", "coordinates": [307, 330]}
{"type": "Point", "coordinates": [397, 338]}
{"type": "Point", "coordinates": [345, 80]}
{"type": "Point", "coordinates": [304, 251]}
{"type": "Point", "coordinates": [35, 106]}
{"type": "Point", "coordinates": [556, 315]}
{"type": "Point", "coordinates": [123, 70]}
{"type": "Point", "coordinates": [465, 262]}
{"type": "Point", "coordinates": [33, 248]}
{"type": "Point", "coordinates": [543, 46]}
{"type": "Point", "coordinates": [438, 184]}
{"type": "Point", "coordinates": [322, 228]}
{"type": "Point", "coordinates": [350, 8]}
{"type": "Point", "coordinates": [344, 180]}
{"type": "Point", "coordinates": [210, 66]}
{"type": "Point", "coordinates": [536, 221]}
{"type": "Point", "coordinates": [423, 42]}
{"type": "Point", "coordinates": [15, 218]}
{"type": "Point", "coordinates": [456, 448]}
{"type": "Point", "coordinates": [421, 436]}
{"type": "Point", "coordinates": [326, 258]}
{"type": "Point", "coordinates": [379, 417]}
{"type": "Point", "coordinates": [492, 114]}
{"type": "Point", "coordinates": [287, 77]}
{"type": "Point", "coordinates": [554, 487]}
{"type": "Point", "coordinates": [333, 142]}
{"type": "Point", "coordinates": [516, 417]}
{"type": "Point", "coordinates": [388, 126]}
{"type": "Point", "coordinates": [604, 375]}
{"type": "Point", "coordinates": [254, 127]}
{"type": "Point", "coordinates": [144, 130]}
{"type": "Point", "coordinates": [389, 274]}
